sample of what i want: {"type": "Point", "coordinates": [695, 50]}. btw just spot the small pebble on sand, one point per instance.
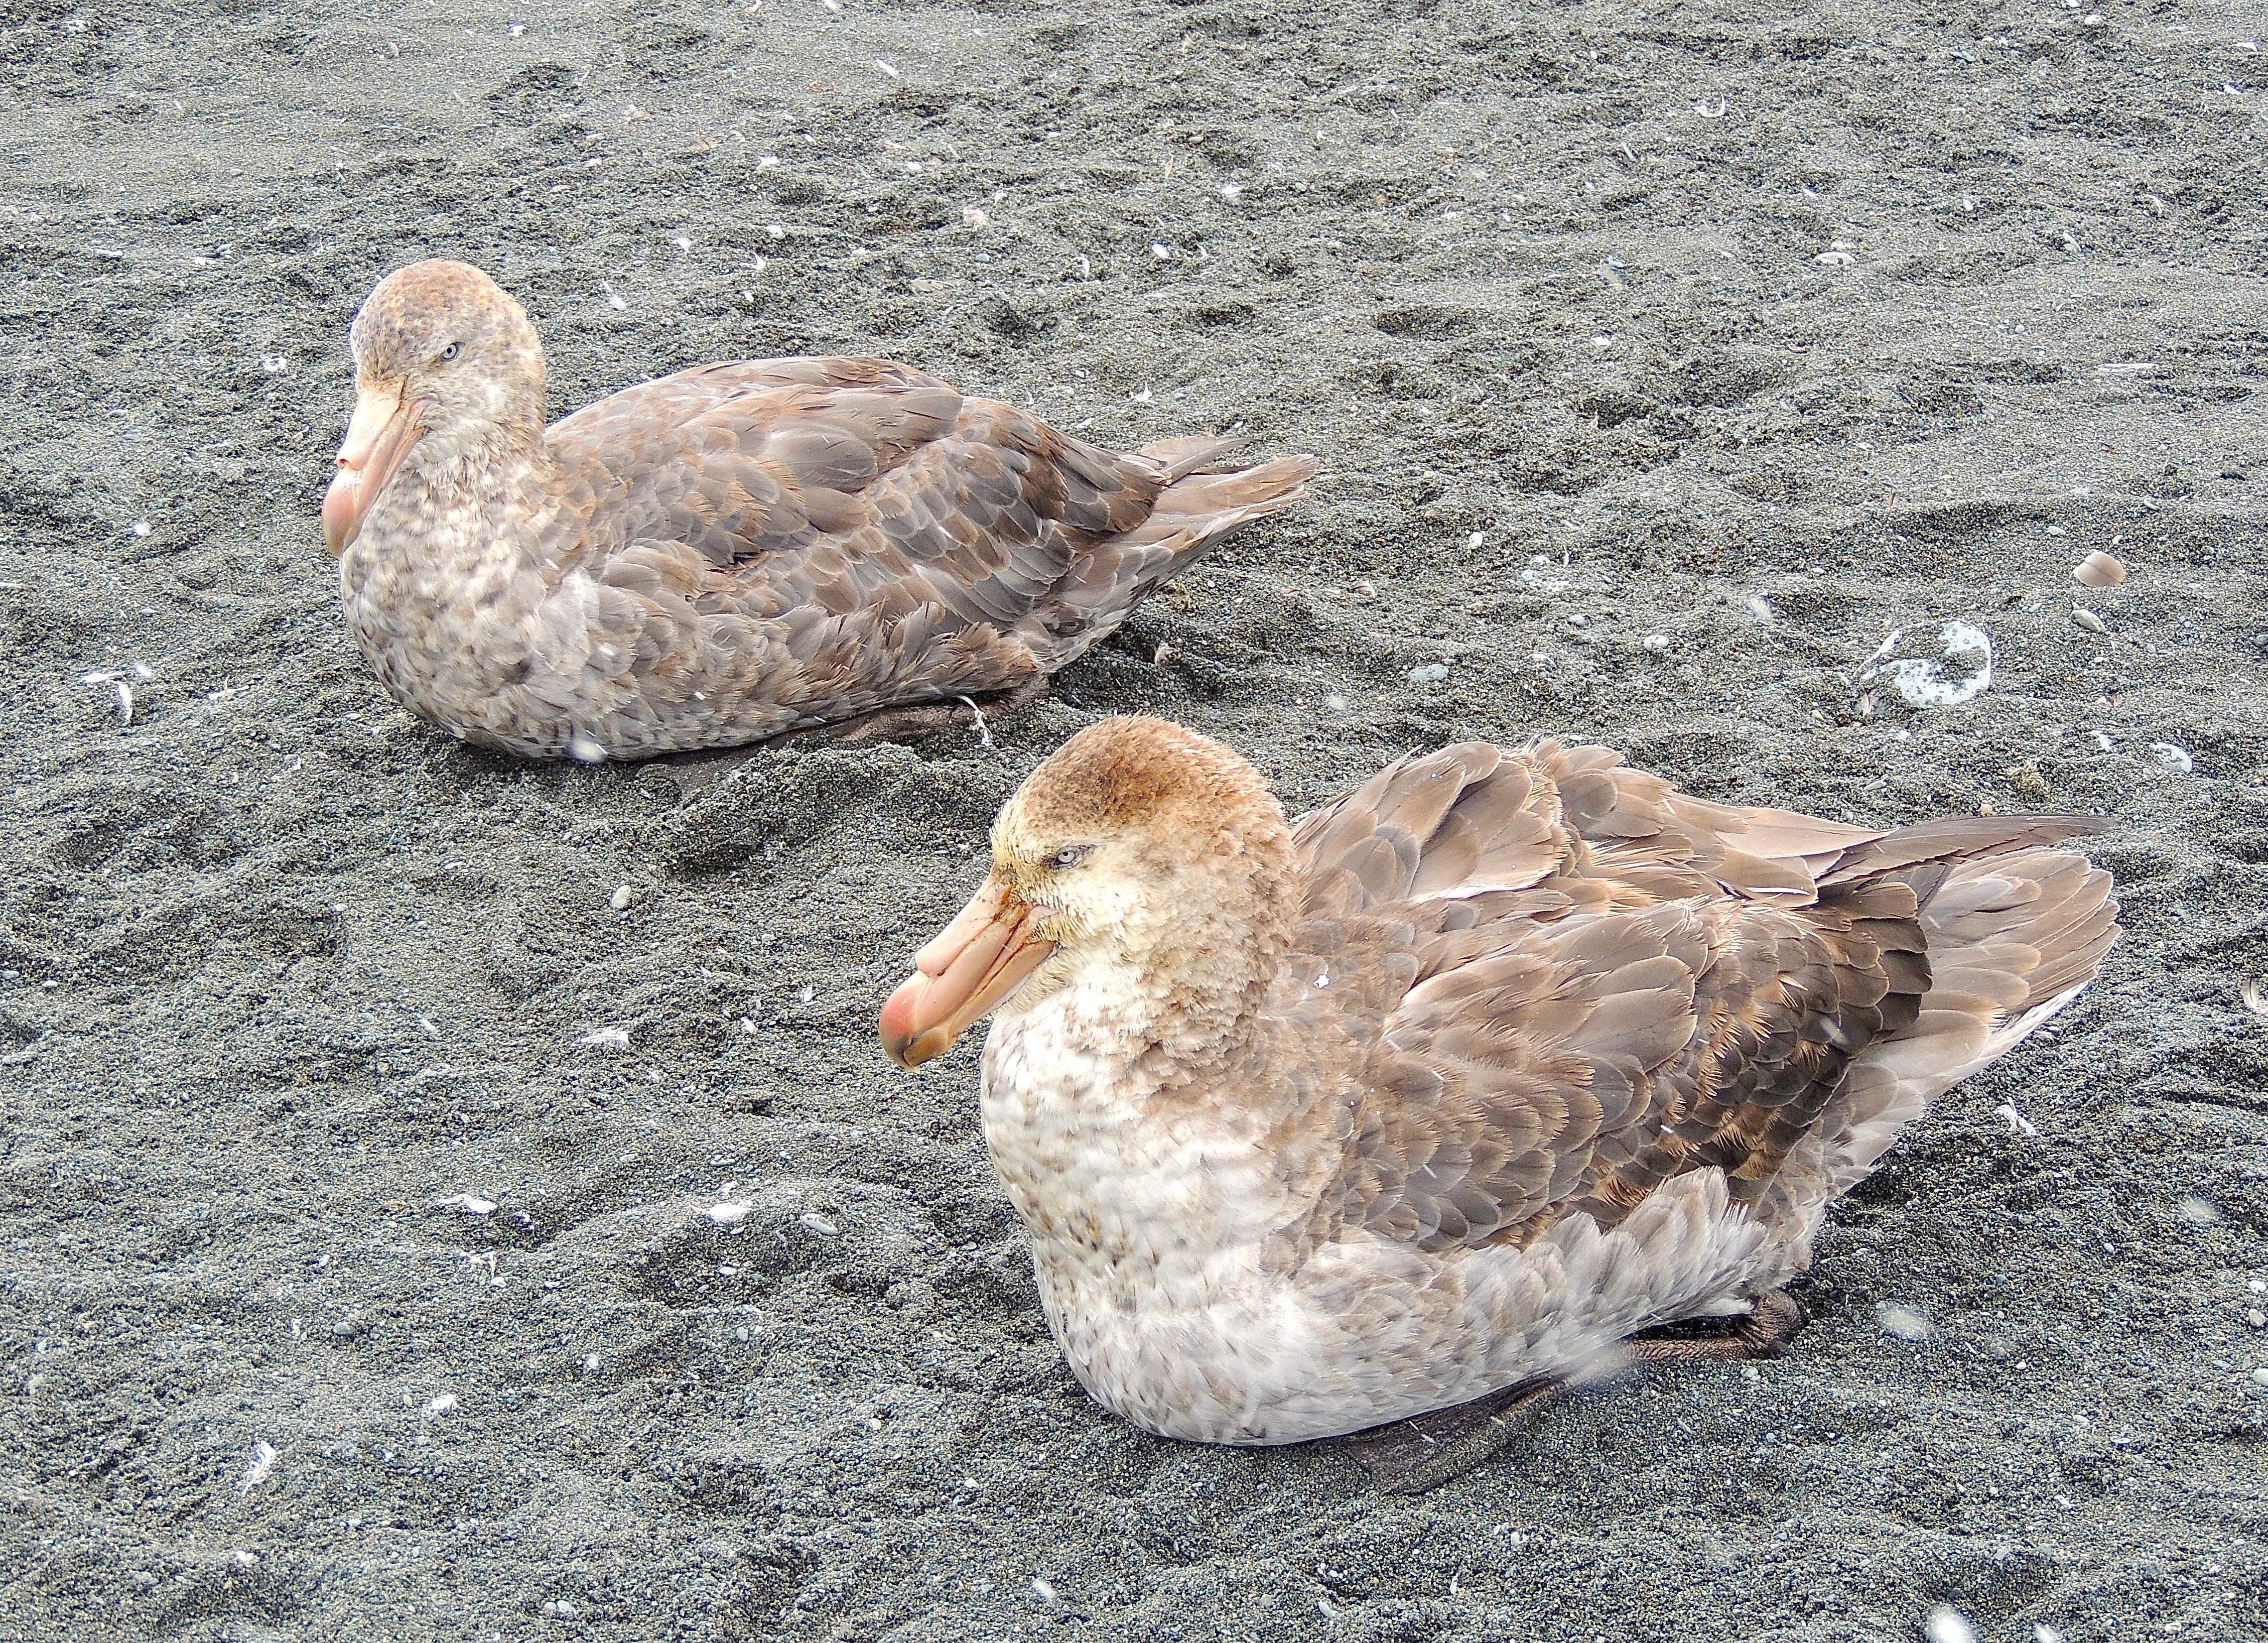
{"type": "Point", "coordinates": [621, 900]}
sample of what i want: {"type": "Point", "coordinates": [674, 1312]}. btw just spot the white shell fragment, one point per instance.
{"type": "Point", "coordinates": [621, 900]}
{"type": "Point", "coordinates": [2255, 1000]}
{"type": "Point", "coordinates": [2017, 1121]}
{"type": "Point", "coordinates": [2082, 618]}
{"type": "Point", "coordinates": [1948, 1625]}
{"type": "Point", "coordinates": [1960, 672]}
{"type": "Point", "coordinates": [608, 1037]}
{"type": "Point", "coordinates": [2173, 757]}
{"type": "Point", "coordinates": [1903, 1323]}
{"type": "Point", "coordinates": [728, 1214]}
{"type": "Point", "coordinates": [2098, 570]}
{"type": "Point", "coordinates": [445, 1403]}
{"type": "Point", "coordinates": [467, 1202]}
{"type": "Point", "coordinates": [264, 1457]}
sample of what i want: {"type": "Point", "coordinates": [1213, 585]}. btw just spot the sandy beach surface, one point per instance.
{"type": "Point", "coordinates": [358, 1277]}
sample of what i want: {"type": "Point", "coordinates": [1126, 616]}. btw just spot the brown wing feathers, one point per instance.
{"type": "Point", "coordinates": [804, 489]}
{"type": "Point", "coordinates": [1612, 1017]}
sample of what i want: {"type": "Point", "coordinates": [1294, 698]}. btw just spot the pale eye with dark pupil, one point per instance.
{"type": "Point", "coordinates": [1070, 857]}
{"type": "Point", "coordinates": [448, 353]}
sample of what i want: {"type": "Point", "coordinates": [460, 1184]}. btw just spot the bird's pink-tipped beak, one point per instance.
{"type": "Point", "coordinates": [984, 954]}
{"type": "Point", "coordinates": [384, 428]}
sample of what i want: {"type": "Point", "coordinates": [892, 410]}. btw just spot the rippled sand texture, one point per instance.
{"type": "Point", "coordinates": [402, 1239]}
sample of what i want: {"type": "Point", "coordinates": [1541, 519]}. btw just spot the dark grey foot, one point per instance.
{"type": "Point", "coordinates": [1411, 1456]}
{"type": "Point", "coordinates": [1774, 1322]}
{"type": "Point", "coordinates": [697, 772]}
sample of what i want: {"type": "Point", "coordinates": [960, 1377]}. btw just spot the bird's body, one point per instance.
{"type": "Point", "coordinates": [1471, 1075]}
{"type": "Point", "coordinates": [731, 553]}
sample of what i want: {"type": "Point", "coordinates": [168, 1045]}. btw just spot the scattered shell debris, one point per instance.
{"type": "Point", "coordinates": [812, 1220]}
{"type": "Point", "coordinates": [2099, 569]}
{"type": "Point", "coordinates": [444, 1403]}
{"type": "Point", "coordinates": [729, 1215]}
{"type": "Point", "coordinates": [1960, 672]}
{"type": "Point", "coordinates": [264, 1457]}
{"type": "Point", "coordinates": [1657, 643]}
{"type": "Point", "coordinates": [1903, 1323]}
{"type": "Point", "coordinates": [466, 1202]}
{"type": "Point", "coordinates": [1761, 609]}
{"type": "Point", "coordinates": [2082, 618]}
{"type": "Point", "coordinates": [2173, 757]}
{"type": "Point", "coordinates": [974, 217]}
{"type": "Point", "coordinates": [615, 1037]}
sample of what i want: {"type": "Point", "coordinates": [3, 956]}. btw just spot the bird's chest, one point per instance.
{"type": "Point", "coordinates": [1131, 1195]}
{"type": "Point", "coordinates": [453, 613]}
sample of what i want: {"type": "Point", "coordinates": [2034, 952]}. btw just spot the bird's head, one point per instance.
{"type": "Point", "coordinates": [444, 359]}
{"type": "Point", "coordinates": [1139, 845]}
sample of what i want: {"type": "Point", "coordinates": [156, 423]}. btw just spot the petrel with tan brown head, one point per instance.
{"type": "Point", "coordinates": [732, 553]}
{"type": "Point", "coordinates": [1401, 1116]}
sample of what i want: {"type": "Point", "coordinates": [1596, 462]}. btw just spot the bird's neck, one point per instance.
{"type": "Point", "coordinates": [1079, 1080]}
{"type": "Point", "coordinates": [459, 521]}
{"type": "Point", "coordinates": [1163, 1009]}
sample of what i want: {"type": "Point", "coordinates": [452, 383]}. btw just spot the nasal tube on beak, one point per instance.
{"type": "Point", "coordinates": [987, 952]}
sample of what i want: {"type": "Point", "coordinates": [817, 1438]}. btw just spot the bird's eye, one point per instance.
{"type": "Point", "coordinates": [1070, 856]}
{"type": "Point", "coordinates": [449, 353]}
